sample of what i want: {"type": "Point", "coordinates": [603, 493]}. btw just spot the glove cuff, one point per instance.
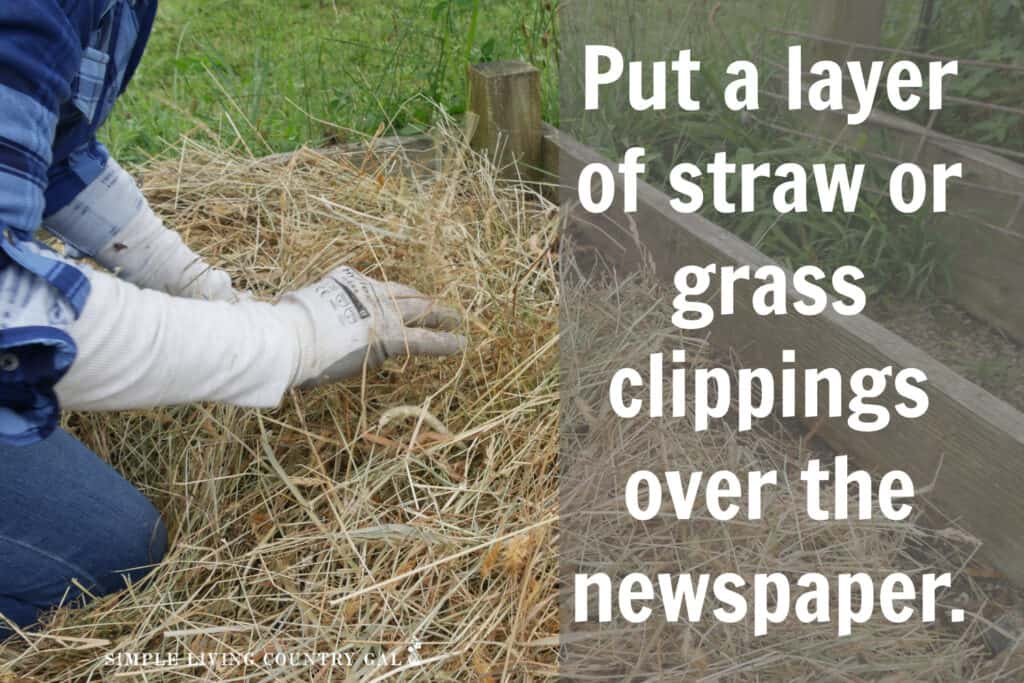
{"type": "Point", "coordinates": [140, 348]}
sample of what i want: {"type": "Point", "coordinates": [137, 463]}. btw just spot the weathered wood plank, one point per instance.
{"type": "Point", "coordinates": [408, 154]}
{"type": "Point", "coordinates": [969, 442]}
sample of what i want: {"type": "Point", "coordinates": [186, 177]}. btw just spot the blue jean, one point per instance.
{"type": "Point", "coordinates": [65, 514]}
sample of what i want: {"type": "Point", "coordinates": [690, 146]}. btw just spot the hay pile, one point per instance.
{"type": "Point", "coordinates": [424, 498]}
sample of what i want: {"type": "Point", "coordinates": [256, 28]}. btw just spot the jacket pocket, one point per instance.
{"type": "Point", "coordinates": [92, 75]}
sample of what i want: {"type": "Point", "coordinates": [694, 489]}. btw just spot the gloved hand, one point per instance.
{"type": "Point", "coordinates": [348, 320]}
{"type": "Point", "coordinates": [111, 221]}
{"type": "Point", "coordinates": [139, 348]}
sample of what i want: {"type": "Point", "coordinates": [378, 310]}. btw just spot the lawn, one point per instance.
{"type": "Point", "coordinates": [272, 76]}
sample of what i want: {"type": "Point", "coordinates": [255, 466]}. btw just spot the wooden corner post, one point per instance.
{"type": "Point", "coordinates": [840, 23]}
{"type": "Point", "coordinates": [843, 31]}
{"type": "Point", "coordinates": [505, 96]}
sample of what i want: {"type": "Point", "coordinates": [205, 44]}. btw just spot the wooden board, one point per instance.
{"type": "Point", "coordinates": [969, 442]}
{"type": "Point", "coordinates": [405, 154]}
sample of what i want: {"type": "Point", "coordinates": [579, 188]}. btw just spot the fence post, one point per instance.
{"type": "Point", "coordinates": [847, 21]}
{"type": "Point", "coordinates": [505, 96]}
{"type": "Point", "coordinates": [835, 24]}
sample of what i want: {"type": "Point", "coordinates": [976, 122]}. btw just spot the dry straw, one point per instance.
{"type": "Point", "coordinates": [608, 326]}
{"type": "Point", "coordinates": [418, 504]}
{"type": "Point", "coordinates": [423, 497]}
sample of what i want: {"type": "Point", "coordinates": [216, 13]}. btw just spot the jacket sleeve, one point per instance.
{"type": "Point", "coordinates": [40, 293]}
{"type": "Point", "coordinates": [69, 177]}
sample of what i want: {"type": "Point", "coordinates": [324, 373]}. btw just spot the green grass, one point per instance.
{"type": "Point", "coordinates": [273, 75]}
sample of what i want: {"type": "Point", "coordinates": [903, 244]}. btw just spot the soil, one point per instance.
{"type": "Point", "coordinates": [972, 348]}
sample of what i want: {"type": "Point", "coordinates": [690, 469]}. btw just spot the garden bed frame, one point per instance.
{"type": "Point", "coordinates": [966, 452]}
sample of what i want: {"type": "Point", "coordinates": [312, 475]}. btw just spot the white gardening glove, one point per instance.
{"type": "Point", "coordinates": [139, 348]}
{"type": "Point", "coordinates": [111, 221]}
{"type": "Point", "coordinates": [349, 321]}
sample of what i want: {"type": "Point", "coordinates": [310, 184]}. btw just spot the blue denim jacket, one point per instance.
{"type": "Point", "coordinates": [63, 63]}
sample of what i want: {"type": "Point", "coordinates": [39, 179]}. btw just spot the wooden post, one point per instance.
{"type": "Point", "coordinates": [835, 25]}
{"type": "Point", "coordinates": [505, 96]}
{"type": "Point", "coordinates": [847, 21]}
